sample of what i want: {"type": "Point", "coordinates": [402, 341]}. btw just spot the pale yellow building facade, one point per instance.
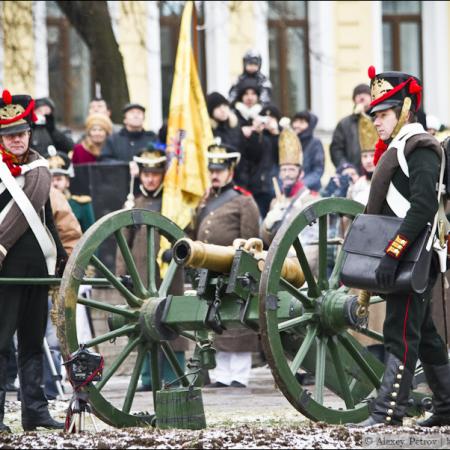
{"type": "Point", "coordinates": [341, 39]}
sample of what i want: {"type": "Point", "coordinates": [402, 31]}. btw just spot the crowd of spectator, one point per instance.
{"type": "Point", "coordinates": [247, 119]}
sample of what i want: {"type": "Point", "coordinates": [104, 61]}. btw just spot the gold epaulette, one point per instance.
{"type": "Point", "coordinates": [82, 198]}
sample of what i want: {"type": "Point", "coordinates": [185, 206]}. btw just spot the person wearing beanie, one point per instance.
{"type": "Point", "coordinates": [44, 129]}
{"type": "Point", "coordinates": [214, 100]}
{"type": "Point", "coordinates": [344, 145]}
{"type": "Point", "coordinates": [224, 122]}
{"type": "Point", "coordinates": [304, 123]}
{"type": "Point", "coordinates": [247, 105]}
{"type": "Point", "coordinates": [225, 127]}
{"type": "Point", "coordinates": [98, 128]}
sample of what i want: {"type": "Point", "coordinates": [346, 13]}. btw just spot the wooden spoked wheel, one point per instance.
{"type": "Point", "coordinates": [125, 320]}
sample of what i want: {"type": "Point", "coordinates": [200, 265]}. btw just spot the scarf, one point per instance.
{"type": "Point", "coordinates": [11, 161]}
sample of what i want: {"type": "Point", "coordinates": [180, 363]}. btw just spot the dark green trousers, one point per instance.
{"type": "Point", "coordinates": [409, 331]}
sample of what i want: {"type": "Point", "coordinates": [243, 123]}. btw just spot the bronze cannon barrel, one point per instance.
{"type": "Point", "coordinates": [219, 258]}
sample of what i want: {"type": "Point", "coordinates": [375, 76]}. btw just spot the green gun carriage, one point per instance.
{"type": "Point", "coordinates": [303, 320]}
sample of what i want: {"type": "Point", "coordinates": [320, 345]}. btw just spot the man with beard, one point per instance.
{"type": "Point", "coordinates": [151, 164]}
{"type": "Point", "coordinates": [226, 213]}
{"type": "Point", "coordinates": [26, 250]}
{"type": "Point", "coordinates": [294, 196]}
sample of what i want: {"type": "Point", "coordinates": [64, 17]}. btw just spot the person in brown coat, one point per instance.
{"type": "Point", "coordinates": [26, 250]}
{"type": "Point", "coordinates": [69, 229]}
{"type": "Point", "coordinates": [226, 213]}
{"type": "Point", "coordinates": [152, 165]}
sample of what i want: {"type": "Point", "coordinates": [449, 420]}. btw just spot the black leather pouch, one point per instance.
{"type": "Point", "coordinates": [365, 245]}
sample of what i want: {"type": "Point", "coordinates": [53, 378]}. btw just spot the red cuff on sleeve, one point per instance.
{"type": "Point", "coordinates": [397, 246]}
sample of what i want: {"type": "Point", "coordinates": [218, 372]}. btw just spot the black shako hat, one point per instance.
{"type": "Point", "coordinates": [222, 156]}
{"type": "Point", "coordinates": [152, 158]}
{"type": "Point", "coordinates": [390, 89]}
{"type": "Point", "coordinates": [16, 113]}
{"type": "Point", "coordinates": [59, 163]}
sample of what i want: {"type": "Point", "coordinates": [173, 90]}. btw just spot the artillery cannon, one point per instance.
{"type": "Point", "coordinates": [303, 320]}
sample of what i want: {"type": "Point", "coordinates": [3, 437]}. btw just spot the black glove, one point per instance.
{"type": "Point", "coordinates": [386, 271]}
{"type": "Point", "coordinates": [167, 255]}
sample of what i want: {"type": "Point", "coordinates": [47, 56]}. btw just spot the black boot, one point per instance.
{"type": "Point", "coordinates": [390, 405]}
{"type": "Point", "coordinates": [438, 378]}
{"type": "Point", "coordinates": [3, 368]}
{"type": "Point", "coordinates": [34, 403]}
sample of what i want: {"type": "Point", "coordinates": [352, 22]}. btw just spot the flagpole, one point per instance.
{"type": "Point", "coordinates": [195, 34]}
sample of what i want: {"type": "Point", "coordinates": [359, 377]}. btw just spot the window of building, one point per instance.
{"type": "Point", "coordinates": [402, 36]}
{"type": "Point", "coordinates": [170, 13]}
{"type": "Point", "coordinates": [69, 69]}
{"type": "Point", "coordinates": [289, 55]}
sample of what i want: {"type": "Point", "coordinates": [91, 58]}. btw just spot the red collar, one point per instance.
{"type": "Point", "coordinates": [380, 148]}
{"type": "Point", "coordinates": [11, 161]}
{"type": "Point", "coordinates": [296, 188]}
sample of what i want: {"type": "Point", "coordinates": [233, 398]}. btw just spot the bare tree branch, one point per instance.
{"type": "Point", "coordinates": [92, 21]}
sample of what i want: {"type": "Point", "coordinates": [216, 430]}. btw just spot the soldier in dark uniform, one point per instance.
{"type": "Point", "coordinates": [25, 251]}
{"type": "Point", "coordinates": [409, 332]}
{"type": "Point", "coordinates": [152, 167]}
{"type": "Point", "coordinates": [228, 212]}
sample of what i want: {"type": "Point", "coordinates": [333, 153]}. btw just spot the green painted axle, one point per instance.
{"type": "Point", "coordinates": [52, 281]}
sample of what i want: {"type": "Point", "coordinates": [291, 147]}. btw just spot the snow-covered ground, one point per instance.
{"type": "Point", "coordinates": [256, 417]}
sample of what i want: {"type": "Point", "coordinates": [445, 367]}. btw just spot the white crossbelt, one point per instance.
{"type": "Point", "coordinates": [396, 201]}
{"type": "Point", "coordinates": [399, 204]}
{"type": "Point", "coordinates": [42, 234]}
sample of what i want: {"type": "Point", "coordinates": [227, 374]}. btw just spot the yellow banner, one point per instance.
{"type": "Point", "coordinates": [188, 136]}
